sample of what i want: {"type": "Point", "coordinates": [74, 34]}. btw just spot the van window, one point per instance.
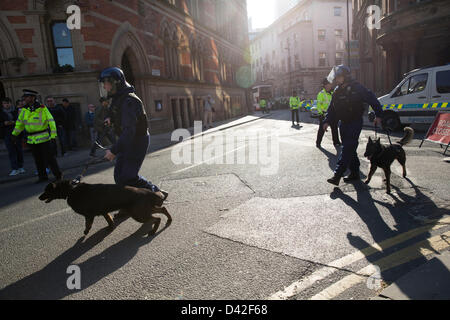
{"type": "Point", "coordinates": [443, 81]}
{"type": "Point", "coordinates": [418, 83]}
{"type": "Point", "coordinates": [402, 90]}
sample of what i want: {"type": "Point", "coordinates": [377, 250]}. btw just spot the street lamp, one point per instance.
{"type": "Point", "coordinates": [289, 66]}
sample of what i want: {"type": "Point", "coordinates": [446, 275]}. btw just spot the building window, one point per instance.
{"type": "Point", "coordinates": [322, 59]}
{"type": "Point", "coordinates": [62, 44]}
{"type": "Point", "coordinates": [443, 82]}
{"type": "Point", "coordinates": [337, 11]}
{"type": "Point", "coordinates": [321, 34]}
{"type": "Point", "coordinates": [338, 33]}
{"type": "Point", "coordinates": [339, 58]}
{"type": "Point", "coordinates": [193, 8]}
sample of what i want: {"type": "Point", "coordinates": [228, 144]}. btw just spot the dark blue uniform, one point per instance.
{"type": "Point", "coordinates": [347, 105]}
{"type": "Point", "coordinates": [130, 123]}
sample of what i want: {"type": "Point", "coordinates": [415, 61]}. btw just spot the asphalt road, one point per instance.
{"type": "Point", "coordinates": [262, 225]}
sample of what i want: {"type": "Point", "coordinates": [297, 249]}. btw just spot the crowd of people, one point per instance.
{"type": "Point", "coordinates": [67, 129]}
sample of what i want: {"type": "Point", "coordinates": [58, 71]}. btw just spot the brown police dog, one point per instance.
{"type": "Point", "coordinates": [91, 200]}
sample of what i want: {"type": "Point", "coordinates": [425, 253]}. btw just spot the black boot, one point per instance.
{"type": "Point", "coordinates": [335, 180]}
{"type": "Point", "coordinates": [353, 176]}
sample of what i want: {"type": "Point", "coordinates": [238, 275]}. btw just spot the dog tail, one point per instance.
{"type": "Point", "coordinates": [407, 138]}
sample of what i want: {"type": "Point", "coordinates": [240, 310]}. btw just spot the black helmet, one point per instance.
{"type": "Point", "coordinates": [115, 77]}
{"type": "Point", "coordinates": [340, 70]}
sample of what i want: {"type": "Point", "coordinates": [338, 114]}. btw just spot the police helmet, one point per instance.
{"type": "Point", "coordinates": [115, 77]}
{"type": "Point", "coordinates": [340, 70]}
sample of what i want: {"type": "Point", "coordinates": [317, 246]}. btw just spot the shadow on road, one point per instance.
{"type": "Point", "coordinates": [402, 204]}
{"type": "Point", "coordinates": [50, 282]}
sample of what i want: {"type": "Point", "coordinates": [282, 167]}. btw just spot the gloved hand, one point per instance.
{"type": "Point", "coordinates": [14, 139]}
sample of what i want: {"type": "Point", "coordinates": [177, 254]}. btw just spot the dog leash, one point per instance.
{"type": "Point", "coordinates": [91, 160]}
{"type": "Point", "coordinates": [386, 131]}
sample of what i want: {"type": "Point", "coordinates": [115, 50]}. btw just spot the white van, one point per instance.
{"type": "Point", "coordinates": [418, 97]}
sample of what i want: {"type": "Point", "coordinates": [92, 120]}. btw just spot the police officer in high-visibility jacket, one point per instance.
{"type": "Point", "coordinates": [294, 104]}
{"type": "Point", "coordinates": [323, 102]}
{"type": "Point", "coordinates": [263, 105]}
{"type": "Point", "coordinates": [40, 127]}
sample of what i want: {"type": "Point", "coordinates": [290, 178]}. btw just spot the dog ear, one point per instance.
{"type": "Point", "coordinates": [370, 139]}
{"type": "Point", "coordinates": [379, 141]}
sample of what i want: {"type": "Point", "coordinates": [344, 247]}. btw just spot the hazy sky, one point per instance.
{"type": "Point", "coordinates": [262, 12]}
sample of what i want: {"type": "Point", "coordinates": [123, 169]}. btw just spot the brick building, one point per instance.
{"type": "Point", "coordinates": [175, 52]}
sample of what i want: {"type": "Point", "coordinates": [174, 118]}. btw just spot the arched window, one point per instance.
{"type": "Point", "coordinates": [171, 56]}
{"type": "Point", "coordinates": [196, 60]}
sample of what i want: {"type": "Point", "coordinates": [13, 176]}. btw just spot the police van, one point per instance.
{"type": "Point", "coordinates": [417, 98]}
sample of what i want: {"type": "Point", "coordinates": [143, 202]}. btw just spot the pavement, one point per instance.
{"type": "Point", "coordinates": [240, 230]}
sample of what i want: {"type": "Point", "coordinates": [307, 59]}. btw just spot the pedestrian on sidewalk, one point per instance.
{"type": "Point", "coordinates": [323, 102]}
{"type": "Point", "coordinates": [347, 106]}
{"type": "Point", "coordinates": [71, 125]}
{"type": "Point", "coordinates": [208, 112]}
{"type": "Point", "coordinates": [59, 115]}
{"type": "Point", "coordinates": [128, 117]}
{"type": "Point", "coordinates": [102, 128]}
{"type": "Point", "coordinates": [89, 122]}
{"type": "Point", "coordinates": [40, 126]}
{"type": "Point", "coordinates": [8, 118]}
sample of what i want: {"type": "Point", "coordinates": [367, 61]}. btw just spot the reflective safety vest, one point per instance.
{"type": "Point", "coordinates": [37, 122]}
{"type": "Point", "coordinates": [323, 101]}
{"type": "Point", "coordinates": [294, 103]}
{"type": "Point", "coordinates": [262, 103]}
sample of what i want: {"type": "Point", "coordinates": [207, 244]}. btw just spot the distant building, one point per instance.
{"type": "Point", "coordinates": [175, 52]}
{"type": "Point", "coordinates": [412, 34]}
{"type": "Point", "coordinates": [299, 49]}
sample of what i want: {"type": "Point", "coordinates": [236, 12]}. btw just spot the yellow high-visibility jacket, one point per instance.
{"type": "Point", "coordinates": [262, 103]}
{"type": "Point", "coordinates": [323, 101]}
{"type": "Point", "coordinates": [294, 103]}
{"type": "Point", "coordinates": [38, 123]}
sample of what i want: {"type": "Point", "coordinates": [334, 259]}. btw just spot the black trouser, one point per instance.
{"type": "Point", "coordinates": [295, 112]}
{"type": "Point", "coordinates": [334, 131]}
{"type": "Point", "coordinates": [43, 154]}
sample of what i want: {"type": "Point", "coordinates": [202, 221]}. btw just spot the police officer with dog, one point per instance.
{"type": "Point", "coordinates": [129, 120]}
{"type": "Point", "coordinates": [347, 106]}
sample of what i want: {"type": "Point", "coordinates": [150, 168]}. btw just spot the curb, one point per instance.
{"type": "Point", "coordinates": [5, 181]}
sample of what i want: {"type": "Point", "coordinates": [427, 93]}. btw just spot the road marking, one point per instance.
{"type": "Point", "coordinates": [435, 244]}
{"type": "Point", "coordinates": [298, 286]}
{"type": "Point", "coordinates": [210, 159]}
{"type": "Point", "coordinates": [35, 220]}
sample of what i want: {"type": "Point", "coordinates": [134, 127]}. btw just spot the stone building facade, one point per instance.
{"type": "Point", "coordinates": [412, 34]}
{"type": "Point", "coordinates": [299, 49]}
{"type": "Point", "coordinates": [175, 52]}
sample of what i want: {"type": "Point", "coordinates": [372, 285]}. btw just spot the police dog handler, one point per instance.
{"type": "Point", "coordinates": [129, 120]}
{"type": "Point", "coordinates": [347, 105]}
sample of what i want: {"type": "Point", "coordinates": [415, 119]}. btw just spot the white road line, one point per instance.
{"type": "Point", "coordinates": [210, 159]}
{"type": "Point", "coordinates": [299, 286]}
{"type": "Point", "coordinates": [35, 220]}
{"type": "Point", "coordinates": [423, 248]}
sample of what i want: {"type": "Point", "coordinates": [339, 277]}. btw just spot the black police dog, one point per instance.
{"type": "Point", "coordinates": [91, 200]}
{"type": "Point", "coordinates": [383, 155]}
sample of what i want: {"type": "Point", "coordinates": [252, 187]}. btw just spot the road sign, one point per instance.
{"type": "Point", "coordinates": [439, 131]}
